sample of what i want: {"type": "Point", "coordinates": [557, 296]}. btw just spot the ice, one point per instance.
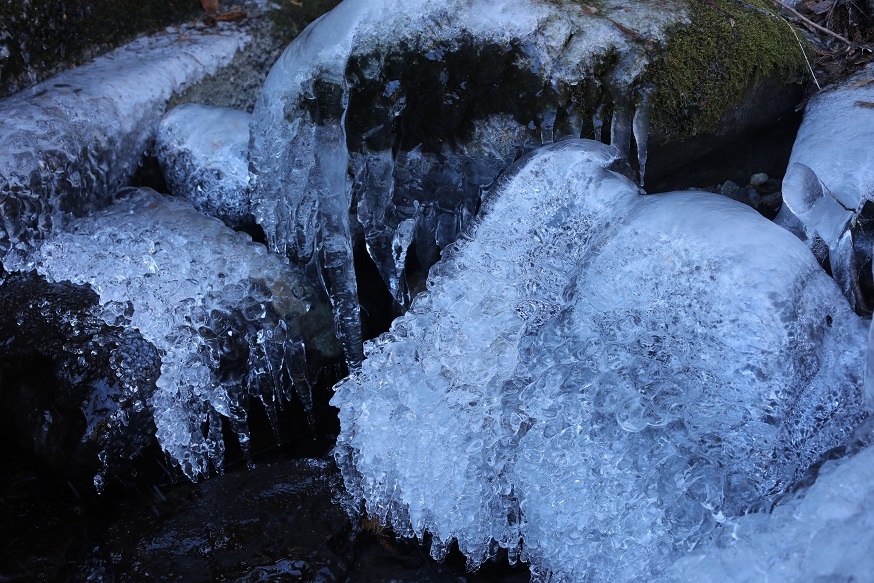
{"type": "Point", "coordinates": [67, 144]}
{"type": "Point", "coordinates": [228, 317]}
{"type": "Point", "coordinates": [825, 534]}
{"type": "Point", "coordinates": [597, 380]}
{"type": "Point", "coordinates": [418, 106]}
{"type": "Point", "coordinates": [831, 170]}
{"type": "Point", "coordinates": [203, 153]}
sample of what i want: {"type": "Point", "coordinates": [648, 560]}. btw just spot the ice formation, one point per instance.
{"type": "Point", "coordinates": [67, 144]}
{"type": "Point", "coordinates": [831, 172]}
{"type": "Point", "coordinates": [203, 153]}
{"type": "Point", "coordinates": [403, 111]}
{"type": "Point", "coordinates": [824, 535]}
{"type": "Point", "coordinates": [596, 380]}
{"type": "Point", "coordinates": [228, 317]}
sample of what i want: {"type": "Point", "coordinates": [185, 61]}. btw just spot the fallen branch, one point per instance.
{"type": "Point", "coordinates": [809, 22]}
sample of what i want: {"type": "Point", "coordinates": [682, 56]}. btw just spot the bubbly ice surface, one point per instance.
{"type": "Point", "coordinates": [403, 111]}
{"type": "Point", "coordinates": [203, 153]}
{"type": "Point", "coordinates": [225, 313]}
{"type": "Point", "coordinates": [67, 144]}
{"type": "Point", "coordinates": [605, 376]}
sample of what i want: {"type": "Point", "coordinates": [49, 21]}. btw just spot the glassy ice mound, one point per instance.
{"type": "Point", "coordinates": [825, 535]}
{"type": "Point", "coordinates": [203, 153]}
{"type": "Point", "coordinates": [597, 380]}
{"type": "Point", "coordinates": [229, 318]}
{"type": "Point", "coordinates": [403, 111]}
{"type": "Point", "coordinates": [831, 176]}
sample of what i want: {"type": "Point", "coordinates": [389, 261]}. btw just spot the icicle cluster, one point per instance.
{"type": "Point", "coordinates": [601, 378]}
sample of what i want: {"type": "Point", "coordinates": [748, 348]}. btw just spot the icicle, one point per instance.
{"type": "Point", "coordinates": [620, 127]}
{"type": "Point", "coordinates": [547, 127]}
{"type": "Point", "coordinates": [598, 122]}
{"type": "Point", "coordinates": [640, 126]}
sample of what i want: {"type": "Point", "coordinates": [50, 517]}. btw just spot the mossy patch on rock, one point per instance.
{"type": "Point", "coordinates": [708, 65]}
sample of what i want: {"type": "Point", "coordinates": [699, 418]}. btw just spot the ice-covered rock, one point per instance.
{"type": "Point", "coordinates": [74, 390]}
{"type": "Point", "coordinates": [597, 379]}
{"type": "Point", "coordinates": [433, 99]}
{"type": "Point", "coordinates": [203, 153]}
{"type": "Point", "coordinates": [230, 319]}
{"type": "Point", "coordinates": [67, 144]}
{"type": "Point", "coordinates": [404, 111]}
{"type": "Point", "coordinates": [831, 175]}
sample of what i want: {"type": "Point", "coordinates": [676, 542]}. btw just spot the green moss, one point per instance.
{"type": "Point", "coordinates": [706, 67]}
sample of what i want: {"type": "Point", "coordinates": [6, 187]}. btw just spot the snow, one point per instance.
{"type": "Point", "coordinates": [384, 77]}
{"type": "Point", "coordinates": [67, 144]}
{"type": "Point", "coordinates": [228, 316]}
{"type": "Point", "coordinates": [203, 153]}
{"type": "Point", "coordinates": [606, 376]}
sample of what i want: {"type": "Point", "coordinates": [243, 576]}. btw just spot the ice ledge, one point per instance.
{"type": "Point", "coordinates": [68, 143]}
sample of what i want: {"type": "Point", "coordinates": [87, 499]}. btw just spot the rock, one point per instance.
{"type": "Point", "coordinates": [831, 176]}
{"type": "Point", "coordinates": [404, 112]}
{"type": "Point", "coordinates": [232, 321]}
{"type": "Point", "coordinates": [758, 179]}
{"type": "Point", "coordinates": [203, 153]}
{"type": "Point", "coordinates": [75, 391]}
{"type": "Point", "coordinates": [595, 380]}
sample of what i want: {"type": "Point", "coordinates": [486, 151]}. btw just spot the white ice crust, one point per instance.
{"type": "Point", "coordinates": [221, 309]}
{"type": "Point", "coordinates": [597, 380]}
{"type": "Point", "coordinates": [67, 144]}
{"type": "Point", "coordinates": [203, 153]}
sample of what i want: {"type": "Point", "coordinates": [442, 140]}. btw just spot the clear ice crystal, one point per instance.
{"type": "Point", "coordinates": [67, 144]}
{"type": "Point", "coordinates": [596, 380]}
{"type": "Point", "coordinates": [226, 314]}
{"type": "Point", "coordinates": [203, 153]}
{"type": "Point", "coordinates": [404, 112]}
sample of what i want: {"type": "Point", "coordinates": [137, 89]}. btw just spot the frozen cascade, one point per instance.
{"type": "Point", "coordinates": [606, 376]}
{"type": "Point", "coordinates": [402, 112]}
{"type": "Point", "coordinates": [831, 172]}
{"type": "Point", "coordinates": [203, 153]}
{"type": "Point", "coordinates": [228, 317]}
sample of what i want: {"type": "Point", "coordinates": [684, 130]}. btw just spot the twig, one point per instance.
{"type": "Point", "coordinates": [804, 54]}
{"type": "Point", "coordinates": [811, 23]}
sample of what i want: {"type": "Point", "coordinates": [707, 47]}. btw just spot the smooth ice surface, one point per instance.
{"type": "Point", "coordinates": [824, 534]}
{"type": "Point", "coordinates": [67, 144]}
{"type": "Point", "coordinates": [403, 111]}
{"type": "Point", "coordinates": [606, 376]}
{"type": "Point", "coordinates": [203, 153]}
{"type": "Point", "coordinates": [831, 171]}
{"type": "Point", "coordinates": [226, 314]}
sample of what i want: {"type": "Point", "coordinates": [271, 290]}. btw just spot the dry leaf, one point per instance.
{"type": "Point", "coordinates": [211, 6]}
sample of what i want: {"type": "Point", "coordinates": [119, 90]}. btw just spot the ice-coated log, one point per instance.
{"type": "Point", "coordinates": [74, 390]}
{"type": "Point", "coordinates": [203, 153]}
{"type": "Point", "coordinates": [230, 319]}
{"type": "Point", "coordinates": [600, 378]}
{"type": "Point", "coordinates": [402, 112]}
{"type": "Point", "coordinates": [831, 172]}
{"type": "Point", "coordinates": [67, 144]}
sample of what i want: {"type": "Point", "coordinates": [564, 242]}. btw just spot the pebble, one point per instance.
{"type": "Point", "coordinates": [758, 179]}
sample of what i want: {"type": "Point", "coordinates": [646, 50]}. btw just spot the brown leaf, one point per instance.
{"type": "Point", "coordinates": [211, 6]}
{"type": "Point", "coordinates": [231, 15]}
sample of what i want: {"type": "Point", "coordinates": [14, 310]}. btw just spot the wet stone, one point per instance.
{"type": "Point", "coordinates": [75, 391]}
